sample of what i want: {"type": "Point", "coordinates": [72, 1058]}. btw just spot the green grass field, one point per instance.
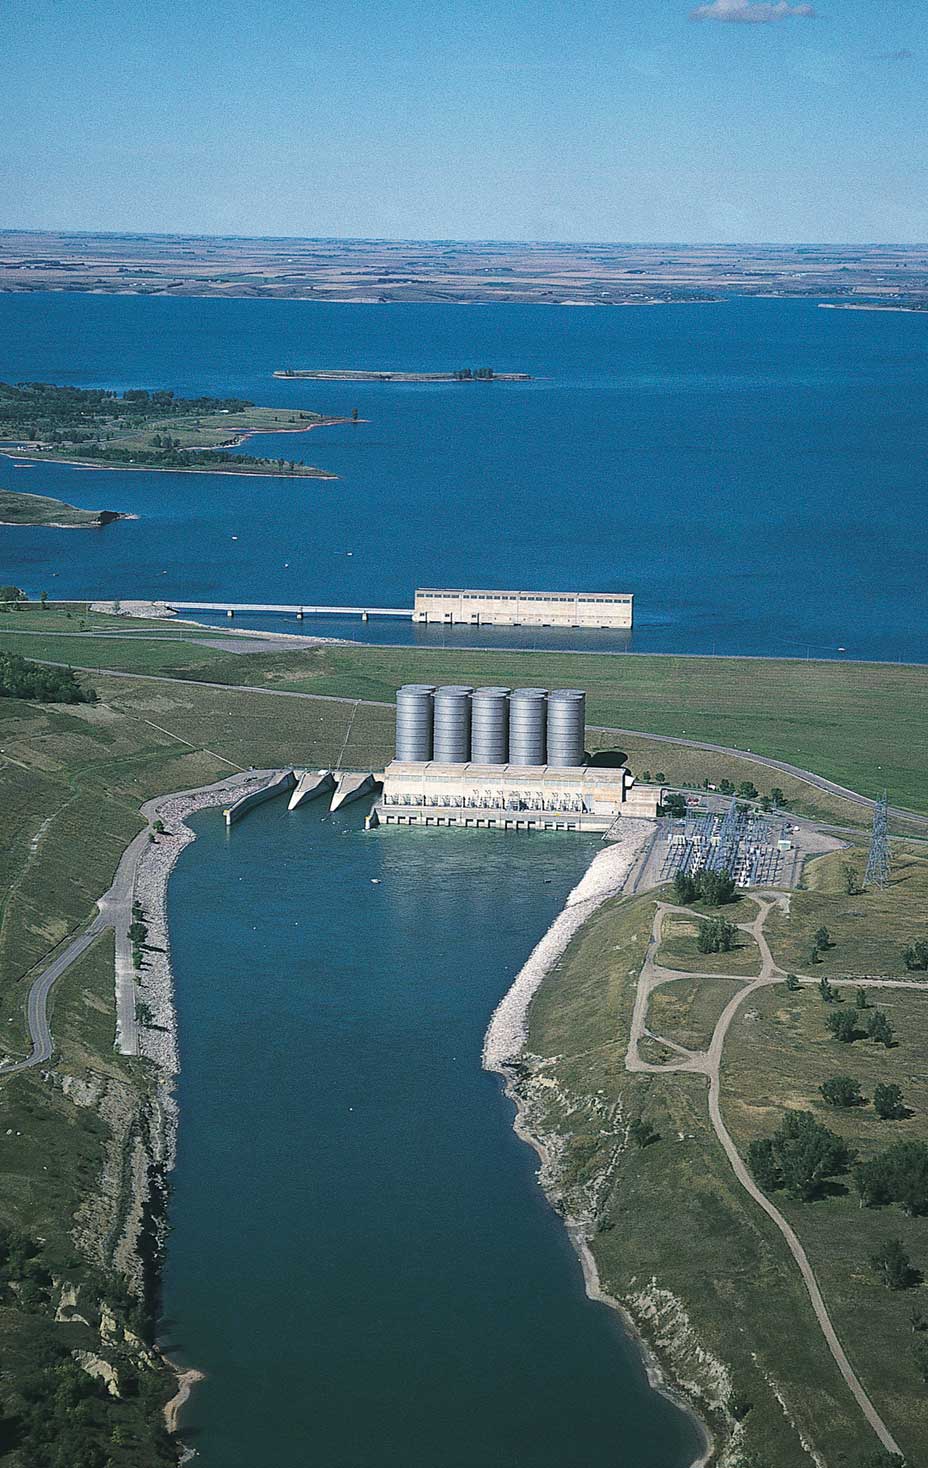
{"type": "Point", "coordinates": [777, 1055]}
{"type": "Point", "coordinates": [869, 930]}
{"type": "Point", "coordinates": [830, 718]}
{"type": "Point", "coordinates": [678, 949]}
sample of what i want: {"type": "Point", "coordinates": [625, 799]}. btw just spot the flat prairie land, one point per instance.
{"type": "Point", "coordinates": [373, 271]}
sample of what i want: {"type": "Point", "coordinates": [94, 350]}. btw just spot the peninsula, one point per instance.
{"type": "Point", "coordinates": [461, 374]}
{"type": "Point", "coordinates": [147, 429]}
{"type": "Point", "coordinates": [40, 509]}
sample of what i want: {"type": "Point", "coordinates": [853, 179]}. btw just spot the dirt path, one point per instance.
{"type": "Point", "coordinates": [708, 1063]}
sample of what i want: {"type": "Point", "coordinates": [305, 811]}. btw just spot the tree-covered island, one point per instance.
{"type": "Point", "coordinates": [145, 429]}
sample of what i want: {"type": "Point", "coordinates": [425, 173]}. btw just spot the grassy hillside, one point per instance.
{"type": "Point", "coordinates": [71, 783]}
{"type": "Point", "coordinates": [674, 1234]}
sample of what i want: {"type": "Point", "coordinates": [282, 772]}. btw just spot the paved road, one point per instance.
{"type": "Point", "coordinates": [818, 781]}
{"type": "Point", "coordinates": [807, 776]}
{"type": "Point", "coordinates": [708, 1063]}
{"type": "Point", "coordinates": [241, 606]}
{"type": "Point", "coordinates": [114, 910]}
{"type": "Point", "coordinates": [37, 1001]}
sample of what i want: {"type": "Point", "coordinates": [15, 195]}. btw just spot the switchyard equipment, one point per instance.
{"type": "Point", "coordinates": [414, 714]}
{"type": "Point", "coordinates": [489, 739]}
{"type": "Point", "coordinates": [750, 848]}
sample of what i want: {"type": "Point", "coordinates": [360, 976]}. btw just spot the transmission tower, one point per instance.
{"type": "Point", "coordinates": [878, 858]}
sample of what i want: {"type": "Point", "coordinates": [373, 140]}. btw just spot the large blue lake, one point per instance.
{"type": "Point", "coordinates": [754, 471]}
{"type": "Point", "coordinates": [360, 1259]}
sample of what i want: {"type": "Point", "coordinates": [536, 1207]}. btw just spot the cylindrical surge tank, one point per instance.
{"type": "Point", "coordinates": [451, 732]}
{"type": "Point", "coordinates": [414, 721]}
{"type": "Point", "coordinates": [527, 726]}
{"type": "Point", "coordinates": [566, 726]}
{"type": "Point", "coordinates": [489, 731]}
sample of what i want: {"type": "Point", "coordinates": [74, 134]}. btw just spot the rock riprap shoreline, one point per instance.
{"type": "Point", "coordinates": [604, 878]}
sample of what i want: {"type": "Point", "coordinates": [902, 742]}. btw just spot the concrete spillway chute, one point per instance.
{"type": "Point", "coordinates": [352, 787]}
{"type": "Point", "coordinates": [310, 784]}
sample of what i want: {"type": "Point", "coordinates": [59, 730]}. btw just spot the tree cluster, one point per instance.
{"type": "Point", "coordinates": [53, 414]}
{"type": "Point", "coordinates": [715, 935]}
{"type": "Point", "coordinates": [712, 888]}
{"type": "Point", "coordinates": [897, 1175]}
{"type": "Point", "coordinates": [843, 1024]}
{"type": "Point", "coordinates": [800, 1157]}
{"type": "Point", "coordinates": [20, 678]}
{"type": "Point", "coordinates": [474, 374]}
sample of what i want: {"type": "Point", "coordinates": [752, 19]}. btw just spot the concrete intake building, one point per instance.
{"type": "Point", "coordinates": [524, 608]}
{"type": "Point", "coordinates": [504, 758]}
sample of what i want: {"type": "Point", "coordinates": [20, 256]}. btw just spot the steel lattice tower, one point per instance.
{"type": "Point", "coordinates": [878, 858]}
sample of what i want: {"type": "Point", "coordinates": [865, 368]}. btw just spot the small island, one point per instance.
{"type": "Point", "coordinates": [145, 429]}
{"type": "Point", "coordinates": [346, 374]}
{"type": "Point", "coordinates": [39, 509]}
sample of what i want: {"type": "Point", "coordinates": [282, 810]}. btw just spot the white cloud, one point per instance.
{"type": "Point", "coordinates": [750, 12]}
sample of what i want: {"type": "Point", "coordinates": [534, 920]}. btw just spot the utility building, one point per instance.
{"type": "Point", "coordinates": [495, 757]}
{"type": "Point", "coordinates": [524, 608]}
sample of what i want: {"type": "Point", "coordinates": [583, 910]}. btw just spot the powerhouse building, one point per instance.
{"type": "Point", "coordinates": [511, 758]}
{"type": "Point", "coordinates": [524, 608]}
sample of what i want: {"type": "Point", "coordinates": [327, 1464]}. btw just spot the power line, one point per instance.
{"type": "Point", "coordinates": [878, 862]}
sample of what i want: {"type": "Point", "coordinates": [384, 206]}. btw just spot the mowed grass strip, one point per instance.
{"type": "Point", "coordinates": [687, 1010]}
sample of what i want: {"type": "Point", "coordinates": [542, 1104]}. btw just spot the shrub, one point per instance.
{"type": "Point", "coordinates": [893, 1266]}
{"type": "Point", "coordinates": [887, 1101]}
{"type": "Point", "coordinates": [843, 1025]}
{"type": "Point", "coordinates": [841, 1091]}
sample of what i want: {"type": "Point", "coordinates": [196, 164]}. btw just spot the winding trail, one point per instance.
{"type": "Point", "coordinates": [708, 1063]}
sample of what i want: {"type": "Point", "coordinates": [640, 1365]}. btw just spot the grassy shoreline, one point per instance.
{"type": "Point", "coordinates": [20, 508]}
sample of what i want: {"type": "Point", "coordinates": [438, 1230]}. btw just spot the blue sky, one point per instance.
{"type": "Point", "coordinates": [469, 119]}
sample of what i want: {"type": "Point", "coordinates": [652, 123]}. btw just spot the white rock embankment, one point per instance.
{"type": "Point", "coordinates": [604, 878]}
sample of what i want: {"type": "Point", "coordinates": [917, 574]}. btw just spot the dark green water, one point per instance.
{"type": "Point", "coordinates": [361, 1259]}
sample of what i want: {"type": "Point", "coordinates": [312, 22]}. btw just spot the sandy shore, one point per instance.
{"type": "Point", "coordinates": [505, 1040]}
{"type": "Point", "coordinates": [186, 1381]}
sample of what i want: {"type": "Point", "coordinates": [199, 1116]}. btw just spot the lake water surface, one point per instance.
{"type": "Point", "coordinates": [360, 1259]}
{"type": "Point", "coordinates": [753, 470]}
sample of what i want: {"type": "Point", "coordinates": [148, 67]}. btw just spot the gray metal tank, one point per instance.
{"type": "Point", "coordinates": [414, 712]}
{"type": "Point", "coordinates": [489, 734]}
{"type": "Point", "coordinates": [527, 726]}
{"type": "Point", "coordinates": [566, 726]}
{"type": "Point", "coordinates": [451, 731]}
